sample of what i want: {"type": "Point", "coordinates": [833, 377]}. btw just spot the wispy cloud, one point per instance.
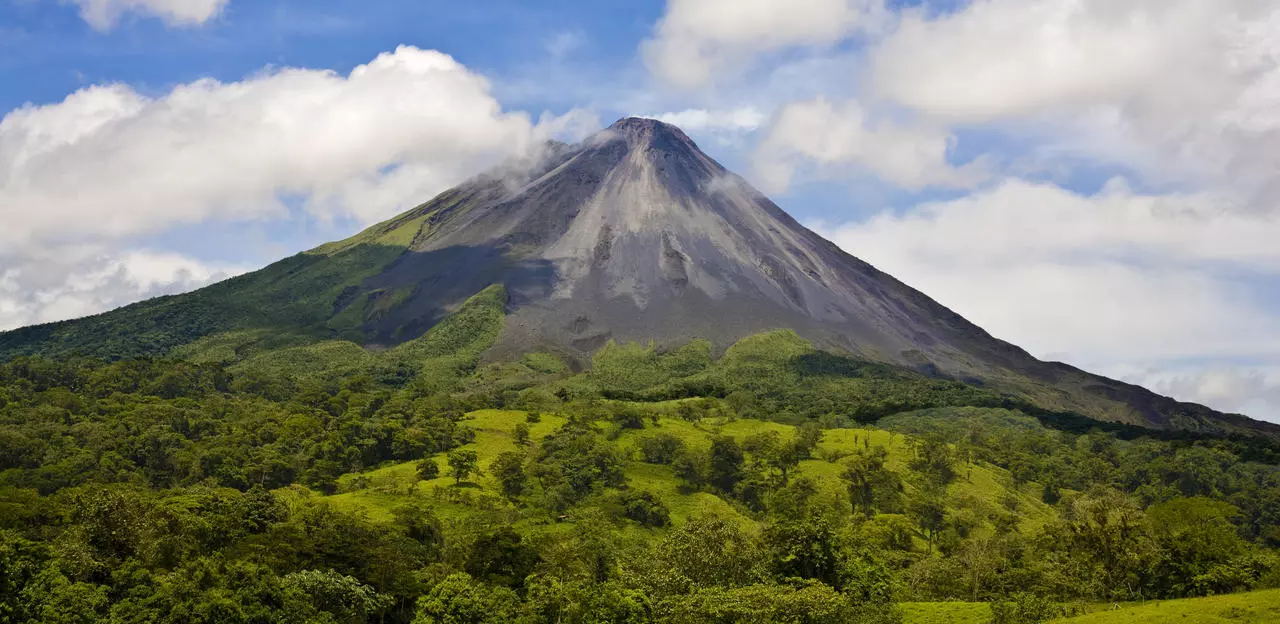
{"type": "Point", "coordinates": [105, 14]}
{"type": "Point", "coordinates": [564, 43]}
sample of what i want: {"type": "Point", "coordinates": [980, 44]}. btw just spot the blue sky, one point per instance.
{"type": "Point", "coordinates": [1095, 181]}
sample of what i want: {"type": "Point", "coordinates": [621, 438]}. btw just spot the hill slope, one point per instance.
{"type": "Point", "coordinates": [631, 235]}
{"type": "Point", "coordinates": [1247, 608]}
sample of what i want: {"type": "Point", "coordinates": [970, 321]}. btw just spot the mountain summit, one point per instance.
{"type": "Point", "coordinates": [631, 235]}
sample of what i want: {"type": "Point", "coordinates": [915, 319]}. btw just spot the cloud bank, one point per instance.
{"type": "Point", "coordinates": [1178, 89]}
{"type": "Point", "coordinates": [108, 165]}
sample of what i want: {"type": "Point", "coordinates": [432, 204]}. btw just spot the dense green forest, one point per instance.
{"type": "Point", "coordinates": [774, 483]}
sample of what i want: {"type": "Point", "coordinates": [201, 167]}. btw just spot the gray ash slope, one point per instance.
{"type": "Point", "coordinates": [635, 234]}
{"type": "Point", "coordinates": [631, 235]}
{"type": "Point", "coordinates": [638, 235]}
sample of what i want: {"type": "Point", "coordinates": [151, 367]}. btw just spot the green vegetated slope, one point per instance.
{"type": "Point", "coordinates": [987, 489]}
{"type": "Point", "coordinates": [324, 482]}
{"type": "Point", "coordinates": [1260, 607]}
{"type": "Point", "coordinates": [447, 348]}
{"type": "Point", "coordinates": [313, 295]}
{"type": "Point", "coordinates": [286, 303]}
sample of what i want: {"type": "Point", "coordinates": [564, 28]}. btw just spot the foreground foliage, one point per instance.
{"type": "Point", "coordinates": [773, 484]}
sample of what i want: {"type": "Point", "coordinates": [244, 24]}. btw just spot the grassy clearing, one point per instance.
{"type": "Point", "coordinates": [662, 481]}
{"type": "Point", "coordinates": [339, 356]}
{"type": "Point", "coordinates": [377, 492]}
{"type": "Point", "coordinates": [945, 612]}
{"type": "Point", "coordinates": [388, 487]}
{"type": "Point", "coordinates": [1259, 607]}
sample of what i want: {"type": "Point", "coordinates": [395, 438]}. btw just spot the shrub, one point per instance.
{"type": "Point", "coordinates": [629, 417]}
{"type": "Point", "coordinates": [428, 469]}
{"type": "Point", "coordinates": [1025, 609]}
{"type": "Point", "coordinates": [660, 448]}
{"type": "Point", "coordinates": [645, 508]}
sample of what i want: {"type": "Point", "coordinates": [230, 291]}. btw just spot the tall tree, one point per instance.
{"type": "Point", "coordinates": [872, 487]}
{"type": "Point", "coordinates": [508, 469]}
{"type": "Point", "coordinates": [463, 462]}
{"type": "Point", "coordinates": [725, 464]}
{"type": "Point", "coordinates": [774, 453]}
{"type": "Point", "coordinates": [929, 510]}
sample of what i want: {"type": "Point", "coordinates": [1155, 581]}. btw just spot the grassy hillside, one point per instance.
{"type": "Point", "coordinates": [983, 487]}
{"type": "Point", "coordinates": [1261, 607]}
{"type": "Point", "coordinates": [315, 295]}
{"type": "Point", "coordinates": [288, 302]}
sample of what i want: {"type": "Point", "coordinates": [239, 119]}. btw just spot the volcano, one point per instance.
{"type": "Point", "coordinates": [636, 235]}
{"type": "Point", "coordinates": [631, 235]}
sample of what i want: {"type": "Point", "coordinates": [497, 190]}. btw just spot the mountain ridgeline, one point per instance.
{"type": "Point", "coordinates": [633, 235]}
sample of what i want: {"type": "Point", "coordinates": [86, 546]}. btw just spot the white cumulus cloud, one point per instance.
{"type": "Point", "coordinates": [911, 155]}
{"type": "Point", "coordinates": [1183, 90]}
{"type": "Point", "coordinates": [109, 162]}
{"type": "Point", "coordinates": [698, 39]}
